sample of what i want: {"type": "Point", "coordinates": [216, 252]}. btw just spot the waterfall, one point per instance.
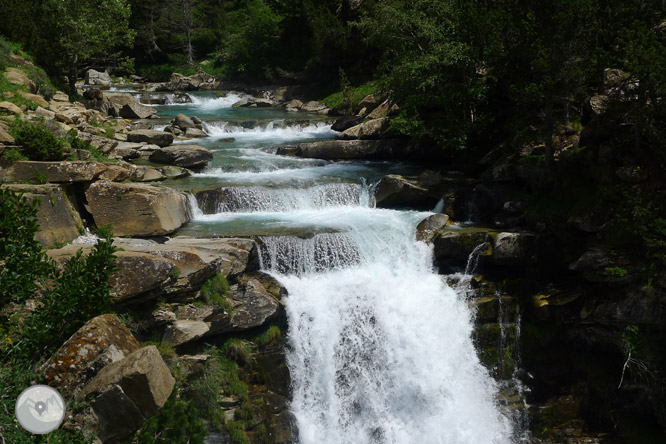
{"type": "Point", "coordinates": [380, 348]}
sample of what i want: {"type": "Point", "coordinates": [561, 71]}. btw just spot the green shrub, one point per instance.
{"type": "Point", "coordinates": [272, 336]}
{"type": "Point", "coordinates": [178, 422]}
{"type": "Point", "coordinates": [216, 291]}
{"type": "Point", "coordinates": [38, 142]}
{"type": "Point", "coordinates": [10, 156]}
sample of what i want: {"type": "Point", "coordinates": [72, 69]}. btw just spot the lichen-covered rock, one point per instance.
{"type": "Point", "coordinates": [137, 209]}
{"type": "Point", "coordinates": [513, 248]}
{"type": "Point", "coordinates": [101, 341]}
{"type": "Point", "coordinates": [425, 230]}
{"type": "Point", "coordinates": [138, 274]}
{"type": "Point", "coordinates": [183, 122]}
{"type": "Point", "coordinates": [56, 215]}
{"type": "Point", "coordinates": [153, 137]}
{"type": "Point", "coordinates": [127, 392]}
{"type": "Point", "coordinates": [55, 172]}
{"type": "Point", "coordinates": [395, 191]}
{"type": "Point", "coordinates": [188, 156]}
{"type": "Point", "coordinates": [94, 77]}
{"type": "Point", "coordinates": [195, 133]}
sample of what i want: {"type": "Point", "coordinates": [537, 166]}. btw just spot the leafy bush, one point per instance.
{"type": "Point", "coordinates": [178, 422]}
{"type": "Point", "coordinates": [38, 142]}
{"type": "Point", "coordinates": [10, 156]}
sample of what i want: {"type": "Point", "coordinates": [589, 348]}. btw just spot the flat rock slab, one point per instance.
{"type": "Point", "coordinates": [188, 156]}
{"type": "Point", "coordinates": [101, 341]}
{"type": "Point", "coordinates": [55, 172]}
{"type": "Point", "coordinates": [56, 215]}
{"type": "Point", "coordinates": [136, 111]}
{"type": "Point", "coordinates": [136, 209]}
{"type": "Point", "coordinates": [153, 137]}
{"type": "Point", "coordinates": [395, 191]}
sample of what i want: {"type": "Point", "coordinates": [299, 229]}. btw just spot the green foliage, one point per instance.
{"type": "Point", "coordinates": [239, 351]}
{"type": "Point", "coordinates": [178, 422]}
{"type": "Point", "coordinates": [38, 142]}
{"type": "Point", "coordinates": [24, 264]}
{"type": "Point", "coordinates": [631, 338]}
{"type": "Point", "coordinates": [10, 156]}
{"type": "Point", "coordinates": [81, 144]}
{"type": "Point", "coordinates": [355, 94]}
{"type": "Point", "coordinates": [216, 291]}
{"type": "Point", "coordinates": [272, 336]}
{"type": "Point", "coordinates": [247, 49]}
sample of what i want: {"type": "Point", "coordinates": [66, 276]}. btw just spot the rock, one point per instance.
{"type": "Point", "coordinates": [347, 149]}
{"type": "Point", "coordinates": [383, 110]}
{"type": "Point", "coordinates": [593, 259]}
{"type": "Point", "coordinates": [313, 107]}
{"type": "Point", "coordinates": [189, 156]}
{"type": "Point", "coordinates": [120, 99]}
{"type": "Point", "coordinates": [125, 154]}
{"type": "Point", "coordinates": [174, 172]}
{"type": "Point", "coordinates": [10, 108]}
{"type": "Point", "coordinates": [183, 122]}
{"type": "Point", "coordinates": [137, 111]}
{"type": "Point", "coordinates": [242, 103]}
{"type": "Point", "coordinates": [139, 274]}
{"type": "Point", "coordinates": [147, 174]}
{"type": "Point", "coordinates": [39, 100]}
{"type": "Point", "coordinates": [102, 144]}
{"type": "Point", "coordinates": [100, 342]}
{"type": "Point", "coordinates": [5, 137]}
{"type": "Point", "coordinates": [136, 209]}
{"type": "Point", "coordinates": [372, 129]}
{"type": "Point", "coordinates": [154, 137]}
{"type": "Point", "coordinates": [599, 104]}
{"type": "Point", "coordinates": [255, 300]}
{"type": "Point", "coordinates": [369, 102]}
{"type": "Point", "coordinates": [294, 104]}
{"type": "Point", "coordinates": [395, 191]}
{"type": "Point", "coordinates": [262, 103]}
{"type": "Point", "coordinates": [102, 79]}
{"type": "Point", "coordinates": [453, 248]}
{"type": "Point", "coordinates": [195, 133]}
{"type": "Point", "coordinates": [45, 113]}
{"type": "Point", "coordinates": [346, 122]}
{"type": "Point", "coordinates": [118, 172]}
{"type": "Point", "coordinates": [513, 248]}
{"type": "Point", "coordinates": [55, 172]}
{"type": "Point", "coordinates": [127, 392]}
{"type": "Point", "coordinates": [426, 229]}
{"type": "Point", "coordinates": [17, 77]}
{"type": "Point", "coordinates": [93, 94]}
{"type": "Point", "coordinates": [57, 217]}
{"type": "Point", "coordinates": [60, 96]}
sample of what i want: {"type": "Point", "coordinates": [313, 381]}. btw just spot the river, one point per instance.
{"type": "Point", "coordinates": [380, 347]}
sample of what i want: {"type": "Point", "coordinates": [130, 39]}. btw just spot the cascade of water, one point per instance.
{"type": "Point", "coordinates": [278, 129]}
{"type": "Point", "coordinates": [380, 348]}
{"type": "Point", "coordinates": [473, 259]}
{"type": "Point", "coordinates": [439, 207]}
{"type": "Point", "coordinates": [262, 199]}
{"type": "Point", "coordinates": [195, 211]}
{"type": "Point", "coordinates": [215, 103]}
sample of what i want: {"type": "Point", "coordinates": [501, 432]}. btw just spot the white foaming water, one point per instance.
{"type": "Point", "coordinates": [260, 199]}
{"type": "Point", "coordinates": [275, 130]}
{"type": "Point", "coordinates": [380, 347]}
{"type": "Point", "coordinates": [214, 103]}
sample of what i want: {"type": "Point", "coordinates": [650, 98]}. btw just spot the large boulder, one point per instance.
{"type": "Point", "coordinates": [347, 149]}
{"type": "Point", "coordinates": [102, 79]}
{"type": "Point", "coordinates": [100, 342]}
{"type": "Point", "coordinates": [57, 217]}
{"type": "Point", "coordinates": [183, 122]}
{"type": "Point", "coordinates": [5, 137]}
{"type": "Point", "coordinates": [372, 129]}
{"type": "Point", "coordinates": [35, 98]}
{"type": "Point", "coordinates": [513, 248]}
{"type": "Point", "coordinates": [136, 111]}
{"type": "Point", "coordinates": [255, 300]}
{"type": "Point", "coordinates": [153, 137]}
{"type": "Point", "coordinates": [188, 156]}
{"type": "Point", "coordinates": [128, 392]}
{"type": "Point", "coordinates": [10, 108]}
{"type": "Point", "coordinates": [395, 191]}
{"type": "Point", "coordinates": [120, 99]}
{"type": "Point", "coordinates": [137, 209]}
{"type": "Point", "coordinates": [139, 274]}
{"type": "Point", "coordinates": [54, 172]}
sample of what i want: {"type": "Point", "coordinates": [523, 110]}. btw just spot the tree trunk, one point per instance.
{"type": "Point", "coordinates": [549, 154]}
{"type": "Point", "coordinates": [72, 76]}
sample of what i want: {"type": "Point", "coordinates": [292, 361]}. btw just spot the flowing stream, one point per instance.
{"type": "Point", "coordinates": [379, 345]}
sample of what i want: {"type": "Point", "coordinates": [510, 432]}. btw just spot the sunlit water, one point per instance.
{"type": "Point", "coordinates": [380, 347]}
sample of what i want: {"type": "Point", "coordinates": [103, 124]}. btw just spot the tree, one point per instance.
{"type": "Point", "coordinates": [82, 31]}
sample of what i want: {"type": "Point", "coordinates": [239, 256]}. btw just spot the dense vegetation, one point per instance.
{"type": "Point", "coordinates": [76, 292]}
{"type": "Point", "coordinates": [465, 72]}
